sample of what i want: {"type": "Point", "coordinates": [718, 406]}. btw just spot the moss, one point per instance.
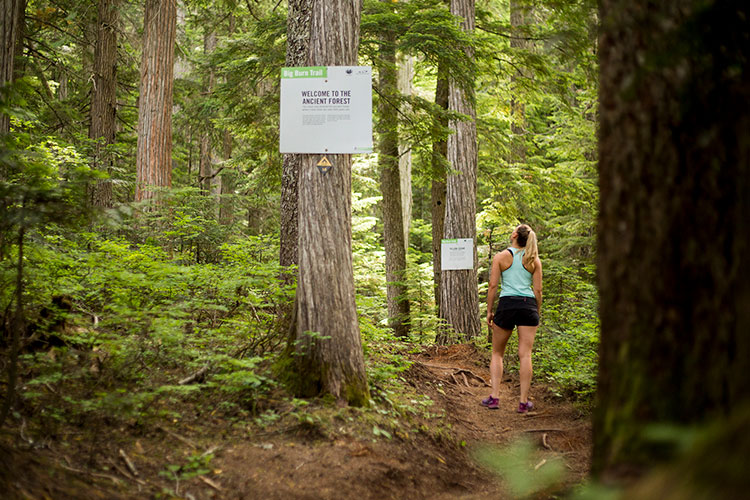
{"type": "Point", "coordinates": [357, 393]}
{"type": "Point", "coordinates": [302, 381]}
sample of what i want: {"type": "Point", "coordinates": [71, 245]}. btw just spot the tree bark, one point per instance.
{"type": "Point", "coordinates": [459, 294]}
{"type": "Point", "coordinates": [104, 99]}
{"type": "Point", "coordinates": [674, 224]}
{"type": "Point", "coordinates": [206, 167]}
{"type": "Point", "coordinates": [228, 176]}
{"type": "Point", "coordinates": [154, 150]}
{"type": "Point", "coordinates": [405, 78]}
{"type": "Point", "coordinates": [439, 159]}
{"type": "Point", "coordinates": [297, 50]}
{"type": "Point", "coordinates": [11, 27]}
{"type": "Point", "coordinates": [328, 348]}
{"type": "Point", "coordinates": [228, 182]}
{"type": "Point", "coordinates": [390, 188]}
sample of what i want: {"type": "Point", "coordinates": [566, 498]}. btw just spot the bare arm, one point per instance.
{"type": "Point", "coordinates": [536, 282]}
{"type": "Point", "coordinates": [492, 290]}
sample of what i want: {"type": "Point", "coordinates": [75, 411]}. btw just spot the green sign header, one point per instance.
{"type": "Point", "coordinates": [305, 72]}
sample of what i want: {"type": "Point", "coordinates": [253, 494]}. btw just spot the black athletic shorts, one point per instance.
{"type": "Point", "coordinates": [516, 311]}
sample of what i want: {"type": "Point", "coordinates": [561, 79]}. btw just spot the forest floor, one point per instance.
{"type": "Point", "coordinates": [432, 450]}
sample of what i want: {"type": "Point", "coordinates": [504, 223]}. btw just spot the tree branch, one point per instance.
{"type": "Point", "coordinates": [511, 37]}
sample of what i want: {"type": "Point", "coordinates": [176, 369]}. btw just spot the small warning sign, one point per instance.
{"type": "Point", "coordinates": [324, 165]}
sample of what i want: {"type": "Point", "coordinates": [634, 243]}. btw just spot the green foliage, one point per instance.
{"type": "Point", "coordinates": [568, 338]}
{"type": "Point", "coordinates": [241, 378]}
{"type": "Point", "coordinates": [596, 491]}
{"type": "Point", "coordinates": [543, 171]}
{"type": "Point", "coordinates": [423, 28]}
{"type": "Point", "coordinates": [157, 320]}
{"type": "Point", "coordinates": [197, 464]}
{"type": "Point", "coordinates": [523, 470]}
{"type": "Point", "coordinates": [159, 291]}
{"type": "Point", "coordinates": [40, 182]}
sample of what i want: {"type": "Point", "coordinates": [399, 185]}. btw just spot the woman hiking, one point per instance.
{"type": "Point", "coordinates": [519, 306]}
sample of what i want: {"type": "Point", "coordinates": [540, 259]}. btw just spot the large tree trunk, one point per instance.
{"type": "Point", "coordinates": [154, 151]}
{"type": "Point", "coordinates": [390, 187]}
{"type": "Point", "coordinates": [104, 99]}
{"type": "Point", "coordinates": [297, 50]}
{"type": "Point", "coordinates": [11, 26]}
{"type": "Point", "coordinates": [328, 347]}
{"type": "Point", "coordinates": [439, 154]}
{"type": "Point", "coordinates": [674, 224]}
{"type": "Point", "coordinates": [459, 294]}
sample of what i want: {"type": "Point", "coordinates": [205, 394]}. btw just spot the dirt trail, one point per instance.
{"type": "Point", "coordinates": [560, 430]}
{"type": "Point", "coordinates": [416, 466]}
{"type": "Point", "coordinates": [339, 458]}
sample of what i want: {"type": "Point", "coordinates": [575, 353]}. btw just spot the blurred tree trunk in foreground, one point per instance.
{"type": "Point", "coordinates": [674, 229]}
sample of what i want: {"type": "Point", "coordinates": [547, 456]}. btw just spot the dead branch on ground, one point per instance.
{"type": "Point", "coordinates": [544, 441]}
{"type": "Point", "coordinates": [210, 483]}
{"type": "Point", "coordinates": [128, 462]}
{"type": "Point", "coordinates": [178, 437]}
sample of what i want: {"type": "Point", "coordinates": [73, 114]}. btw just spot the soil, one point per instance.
{"type": "Point", "coordinates": [331, 452]}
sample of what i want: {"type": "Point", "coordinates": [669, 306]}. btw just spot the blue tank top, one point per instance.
{"type": "Point", "coordinates": [516, 279]}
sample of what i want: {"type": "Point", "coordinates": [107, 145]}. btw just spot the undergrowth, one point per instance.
{"type": "Point", "coordinates": [126, 329]}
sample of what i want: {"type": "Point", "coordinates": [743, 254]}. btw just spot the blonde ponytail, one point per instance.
{"type": "Point", "coordinates": [527, 238]}
{"type": "Point", "coordinates": [531, 253]}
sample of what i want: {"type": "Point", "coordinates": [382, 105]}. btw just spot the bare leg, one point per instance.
{"type": "Point", "coordinates": [499, 341]}
{"type": "Point", "coordinates": [525, 344]}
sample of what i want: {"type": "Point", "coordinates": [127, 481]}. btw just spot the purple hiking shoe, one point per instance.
{"type": "Point", "coordinates": [525, 407]}
{"type": "Point", "coordinates": [491, 403]}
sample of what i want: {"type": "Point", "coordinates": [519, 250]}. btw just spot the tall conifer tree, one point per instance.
{"type": "Point", "coordinates": [328, 355]}
{"type": "Point", "coordinates": [391, 185]}
{"type": "Point", "coordinates": [437, 188]}
{"type": "Point", "coordinates": [459, 292]}
{"type": "Point", "coordinates": [11, 27]}
{"type": "Point", "coordinates": [154, 150]}
{"type": "Point", "coordinates": [104, 98]}
{"type": "Point", "coordinates": [297, 52]}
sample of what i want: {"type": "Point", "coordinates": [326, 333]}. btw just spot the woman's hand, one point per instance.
{"type": "Point", "coordinates": [489, 318]}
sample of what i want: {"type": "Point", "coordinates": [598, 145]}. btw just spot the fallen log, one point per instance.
{"type": "Point", "coordinates": [195, 377]}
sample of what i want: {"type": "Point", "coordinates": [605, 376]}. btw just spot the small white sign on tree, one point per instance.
{"type": "Point", "coordinates": [457, 253]}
